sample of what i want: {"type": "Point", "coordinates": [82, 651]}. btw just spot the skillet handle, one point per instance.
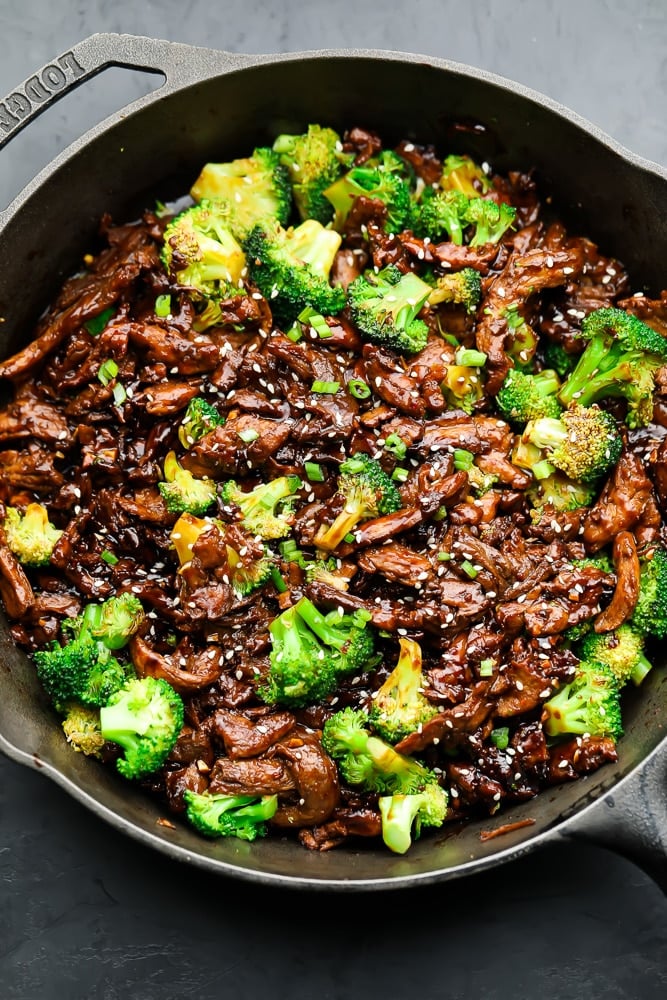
{"type": "Point", "coordinates": [179, 65]}
{"type": "Point", "coordinates": [632, 819]}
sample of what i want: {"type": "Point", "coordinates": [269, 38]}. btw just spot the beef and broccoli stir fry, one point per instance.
{"type": "Point", "coordinates": [332, 504]}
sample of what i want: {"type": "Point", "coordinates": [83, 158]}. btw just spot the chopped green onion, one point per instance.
{"type": "Point", "coordinates": [469, 569]}
{"type": "Point", "coordinates": [463, 460]}
{"type": "Point", "coordinates": [119, 394]}
{"type": "Point", "coordinates": [400, 474]}
{"type": "Point", "coordinates": [289, 551]}
{"type": "Point", "coordinates": [311, 317]}
{"type": "Point", "coordinates": [163, 305]}
{"type": "Point", "coordinates": [468, 358]}
{"type": "Point", "coordinates": [248, 435]}
{"type": "Point", "coordinates": [107, 371]}
{"type": "Point", "coordinates": [95, 325]}
{"type": "Point", "coordinates": [500, 737]}
{"type": "Point", "coordinates": [396, 445]}
{"type": "Point", "coordinates": [486, 668]}
{"type": "Point", "coordinates": [440, 514]}
{"type": "Point", "coordinates": [321, 327]}
{"type": "Point", "coordinates": [444, 556]}
{"type": "Point", "coordinates": [349, 538]}
{"type": "Point", "coordinates": [543, 469]}
{"type": "Point", "coordinates": [109, 558]}
{"type": "Point", "coordinates": [358, 388]}
{"type": "Point", "coordinates": [314, 472]}
{"type": "Point", "coordinates": [277, 580]}
{"type": "Point", "coordinates": [294, 334]}
{"type": "Point", "coordinates": [325, 388]}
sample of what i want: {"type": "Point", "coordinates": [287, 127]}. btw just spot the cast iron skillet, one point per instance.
{"type": "Point", "coordinates": [214, 105]}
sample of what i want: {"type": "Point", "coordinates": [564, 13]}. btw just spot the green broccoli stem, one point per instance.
{"type": "Point", "coordinates": [316, 621]}
{"type": "Point", "coordinates": [399, 812]}
{"type": "Point", "coordinates": [345, 522]}
{"type": "Point", "coordinates": [587, 380]}
{"type": "Point", "coordinates": [547, 432]}
{"type": "Point", "coordinates": [640, 670]}
{"type": "Point", "coordinates": [315, 246]}
{"type": "Point", "coordinates": [122, 726]}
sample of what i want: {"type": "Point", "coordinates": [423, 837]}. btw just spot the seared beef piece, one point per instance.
{"type": "Point", "coordinates": [116, 271]}
{"type": "Point", "coordinates": [193, 745]}
{"type": "Point", "coordinates": [620, 505]}
{"type": "Point", "coordinates": [189, 779]}
{"type": "Point", "coordinates": [364, 143]}
{"type": "Point", "coordinates": [224, 452]}
{"type": "Point", "coordinates": [255, 776]}
{"type": "Point", "coordinates": [15, 589]}
{"type": "Point", "coordinates": [31, 417]}
{"type": "Point", "coordinates": [580, 755]}
{"type": "Point", "coordinates": [653, 312]}
{"type": "Point", "coordinates": [33, 469]}
{"type": "Point", "coordinates": [524, 275]}
{"type": "Point", "coordinates": [243, 737]}
{"type": "Point", "coordinates": [315, 778]}
{"type": "Point", "coordinates": [197, 671]}
{"type": "Point", "coordinates": [424, 159]}
{"type": "Point", "coordinates": [346, 822]}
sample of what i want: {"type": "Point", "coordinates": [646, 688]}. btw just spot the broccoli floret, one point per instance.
{"type": "Point", "coordinates": [461, 173]}
{"type": "Point", "coordinates": [242, 816]}
{"type": "Point", "coordinates": [248, 572]}
{"type": "Point", "coordinates": [403, 816]}
{"type": "Point", "coordinates": [348, 635]}
{"type": "Point", "coordinates": [326, 571]}
{"type": "Point", "coordinates": [559, 492]}
{"type": "Point", "coordinates": [584, 442]}
{"type": "Point", "coordinates": [400, 706]}
{"type": "Point", "coordinates": [115, 621]}
{"type": "Point", "coordinates": [385, 306]}
{"type": "Point", "coordinates": [462, 288]}
{"type": "Point", "coordinates": [440, 214]}
{"type": "Point", "coordinates": [302, 671]}
{"type": "Point", "coordinates": [248, 191]}
{"type": "Point", "coordinates": [144, 717]}
{"type": "Point", "coordinates": [620, 359]}
{"type": "Point", "coordinates": [490, 220]}
{"type": "Point", "coordinates": [463, 385]}
{"type": "Point", "coordinates": [368, 761]}
{"type": "Point", "coordinates": [30, 536]}
{"type": "Point", "coordinates": [311, 651]}
{"type": "Point", "coordinates": [560, 360]}
{"type": "Point", "coordinates": [200, 419]}
{"type": "Point", "coordinates": [379, 180]}
{"type": "Point", "coordinates": [200, 252]}
{"type": "Point", "coordinates": [81, 726]}
{"type": "Point", "coordinates": [368, 492]}
{"type": "Point", "coordinates": [650, 614]}
{"type": "Point", "coordinates": [314, 161]}
{"type": "Point", "coordinates": [182, 493]}
{"type": "Point", "coordinates": [260, 513]}
{"type": "Point", "coordinates": [83, 668]}
{"type": "Point", "coordinates": [291, 268]}
{"type": "Point", "coordinates": [588, 704]}
{"type": "Point", "coordinates": [622, 650]}
{"type": "Point", "coordinates": [525, 397]}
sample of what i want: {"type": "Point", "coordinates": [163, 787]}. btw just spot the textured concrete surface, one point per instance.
{"type": "Point", "coordinates": [86, 913]}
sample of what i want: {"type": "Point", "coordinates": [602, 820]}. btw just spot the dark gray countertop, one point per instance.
{"type": "Point", "coordinates": [85, 912]}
